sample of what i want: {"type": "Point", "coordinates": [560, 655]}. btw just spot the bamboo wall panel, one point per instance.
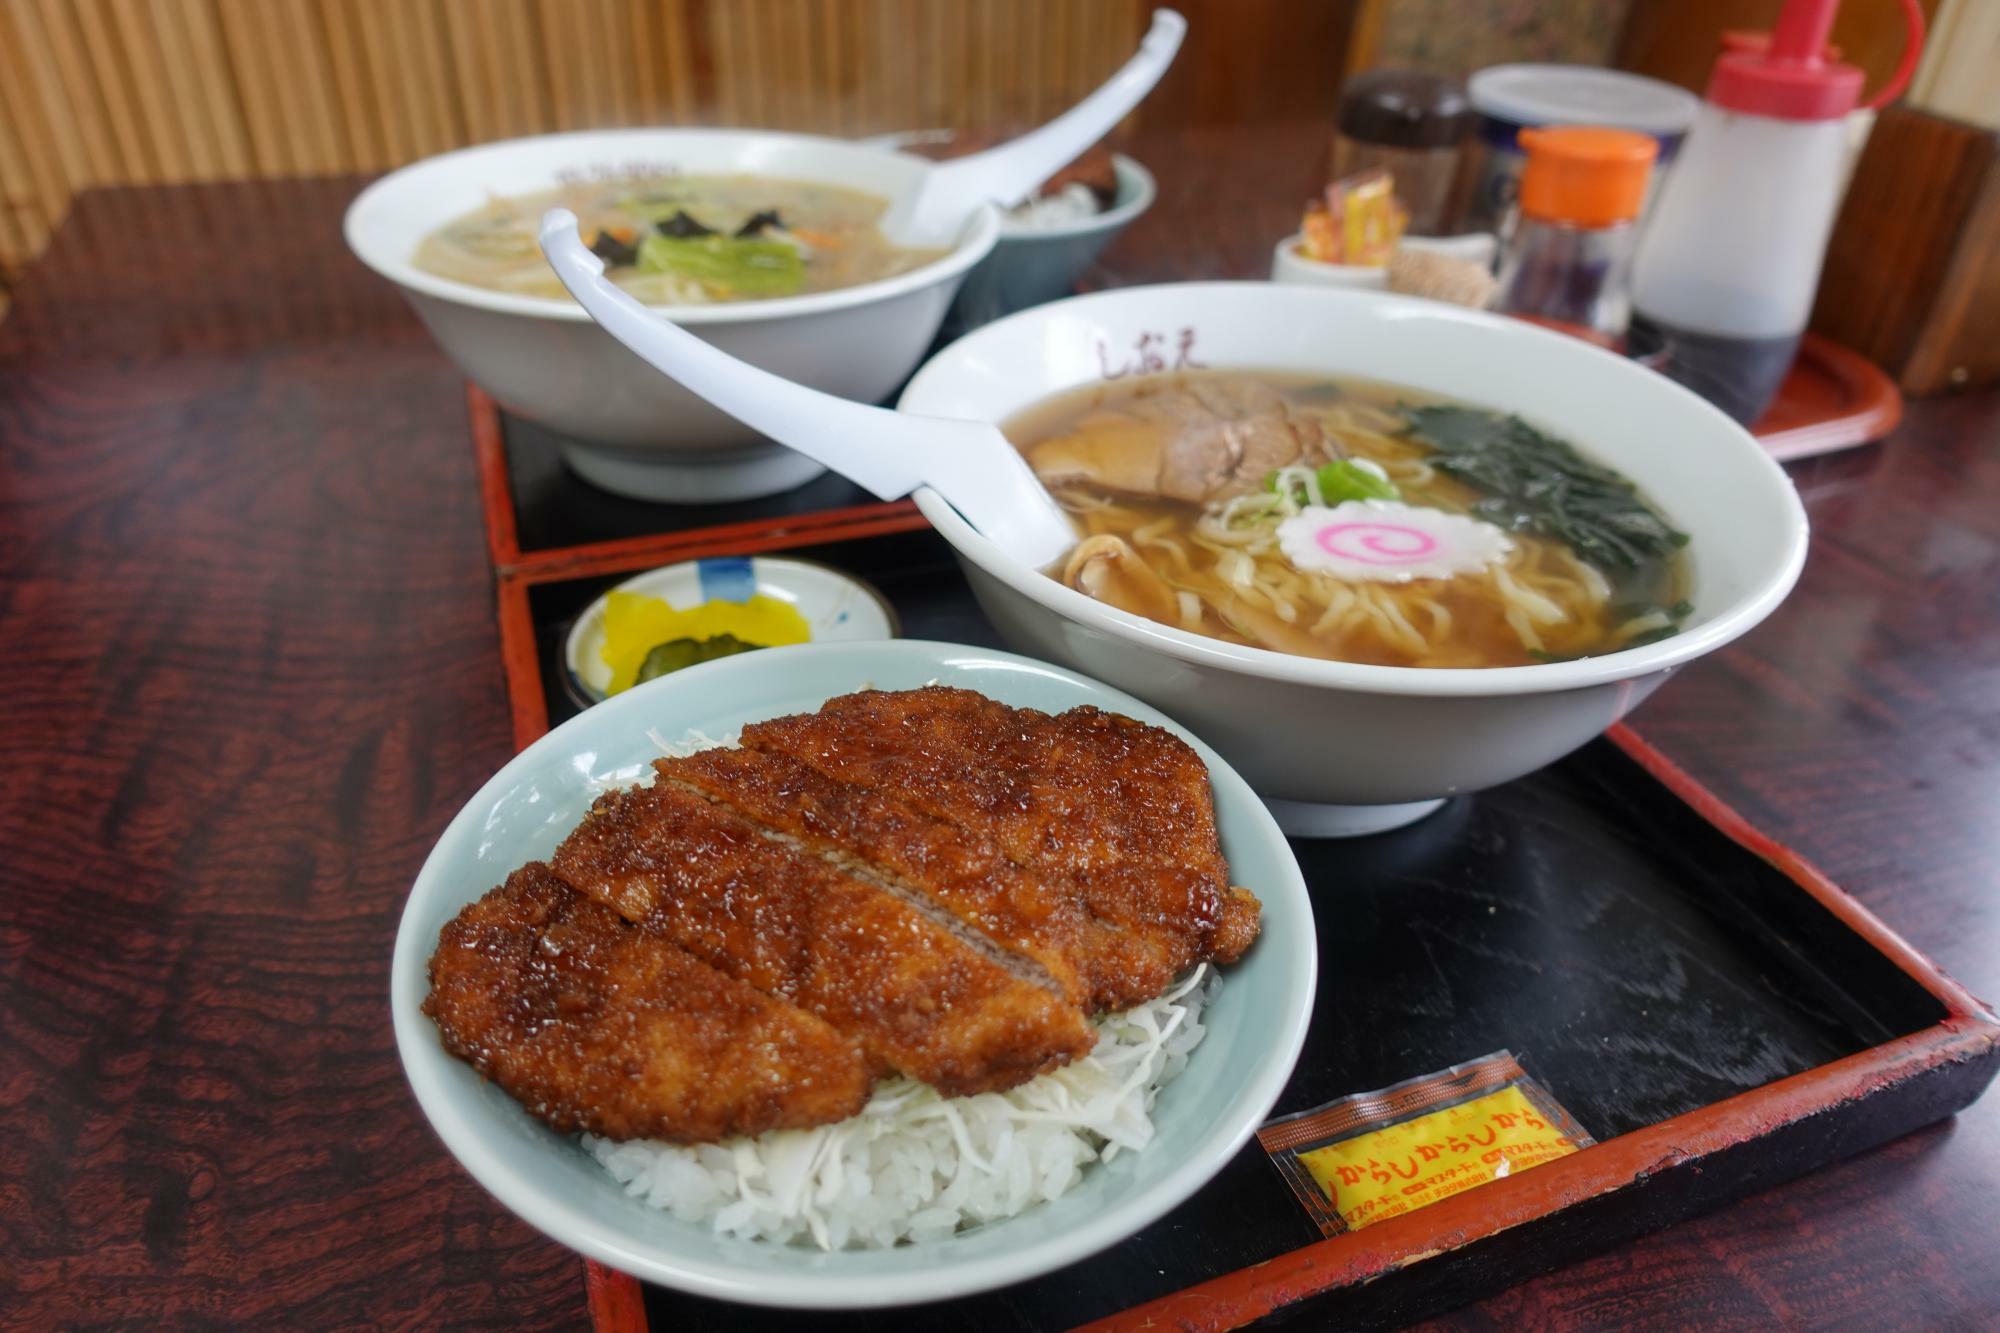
{"type": "Point", "coordinates": [1956, 77]}
{"type": "Point", "coordinates": [103, 92]}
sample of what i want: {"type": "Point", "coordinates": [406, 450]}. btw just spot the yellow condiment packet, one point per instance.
{"type": "Point", "coordinates": [1371, 224]}
{"type": "Point", "coordinates": [1319, 234]}
{"type": "Point", "coordinates": [1362, 1159]}
{"type": "Point", "coordinates": [1357, 221]}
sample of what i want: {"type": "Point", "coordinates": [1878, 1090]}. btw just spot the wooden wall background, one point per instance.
{"type": "Point", "coordinates": [1675, 40]}
{"type": "Point", "coordinates": [113, 92]}
{"type": "Point", "coordinates": [136, 91]}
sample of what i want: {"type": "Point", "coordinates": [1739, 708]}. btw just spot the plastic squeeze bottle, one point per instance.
{"type": "Point", "coordinates": [1725, 274]}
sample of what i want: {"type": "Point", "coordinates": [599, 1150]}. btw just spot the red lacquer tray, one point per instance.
{"type": "Point", "coordinates": [1831, 399]}
{"type": "Point", "coordinates": [1880, 1043]}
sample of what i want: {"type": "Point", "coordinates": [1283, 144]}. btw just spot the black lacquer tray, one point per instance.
{"type": "Point", "coordinates": [1715, 1012]}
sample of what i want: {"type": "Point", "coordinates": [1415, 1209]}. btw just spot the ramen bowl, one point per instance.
{"type": "Point", "coordinates": [627, 429]}
{"type": "Point", "coordinates": [1339, 748]}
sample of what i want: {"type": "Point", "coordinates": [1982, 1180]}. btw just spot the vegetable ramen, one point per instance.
{"type": "Point", "coordinates": [682, 240]}
{"type": "Point", "coordinates": [1351, 521]}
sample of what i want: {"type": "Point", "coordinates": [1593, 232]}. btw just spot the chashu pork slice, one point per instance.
{"type": "Point", "coordinates": [1121, 807]}
{"type": "Point", "coordinates": [918, 997]}
{"type": "Point", "coordinates": [593, 1025]}
{"type": "Point", "coordinates": [876, 835]}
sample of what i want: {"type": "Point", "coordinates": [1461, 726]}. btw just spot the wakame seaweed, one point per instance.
{"type": "Point", "coordinates": [614, 251]}
{"type": "Point", "coordinates": [683, 226]}
{"type": "Point", "coordinates": [1536, 483]}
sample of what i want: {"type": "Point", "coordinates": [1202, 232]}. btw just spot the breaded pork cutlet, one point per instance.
{"type": "Point", "coordinates": [873, 834]}
{"type": "Point", "coordinates": [1121, 807]}
{"type": "Point", "coordinates": [962, 1015]}
{"type": "Point", "coordinates": [592, 1025]}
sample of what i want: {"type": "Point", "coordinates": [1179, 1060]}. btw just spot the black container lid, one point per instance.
{"type": "Point", "coordinates": [1405, 108]}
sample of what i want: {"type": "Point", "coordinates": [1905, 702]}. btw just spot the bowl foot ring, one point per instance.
{"type": "Point", "coordinates": [749, 473]}
{"type": "Point", "coordinates": [1310, 819]}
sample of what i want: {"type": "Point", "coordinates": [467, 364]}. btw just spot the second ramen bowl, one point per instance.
{"type": "Point", "coordinates": [1338, 748]}
{"type": "Point", "coordinates": [626, 428]}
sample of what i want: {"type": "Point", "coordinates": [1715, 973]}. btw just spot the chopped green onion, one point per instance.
{"type": "Point", "coordinates": [1342, 479]}
{"type": "Point", "coordinates": [1345, 479]}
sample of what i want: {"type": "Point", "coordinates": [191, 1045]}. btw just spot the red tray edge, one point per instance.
{"type": "Point", "coordinates": [1878, 410]}
{"type": "Point", "coordinates": [1968, 1031]}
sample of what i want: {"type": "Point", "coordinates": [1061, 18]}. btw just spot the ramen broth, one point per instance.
{"type": "Point", "coordinates": [1184, 498]}
{"type": "Point", "coordinates": [682, 240]}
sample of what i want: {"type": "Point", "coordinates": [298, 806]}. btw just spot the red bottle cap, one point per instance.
{"type": "Point", "coordinates": [1756, 43]}
{"type": "Point", "coordinates": [1789, 79]}
{"type": "Point", "coordinates": [1793, 74]}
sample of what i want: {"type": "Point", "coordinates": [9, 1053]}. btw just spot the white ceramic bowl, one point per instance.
{"type": "Point", "coordinates": [1338, 747]}
{"type": "Point", "coordinates": [1033, 264]}
{"type": "Point", "coordinates": [1256, 1025]}
{"type": "Point", "coordinates": [634, 431]}
{"type": "Point", "coordinates": [1288, 265]}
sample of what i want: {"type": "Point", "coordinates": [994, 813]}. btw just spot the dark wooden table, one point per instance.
{"type": "Point", "coordinates": [248, 670]}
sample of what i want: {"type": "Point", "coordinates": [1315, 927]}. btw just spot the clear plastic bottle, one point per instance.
{"type": "Point", "coordinates": [1568, 262]}
{"type": "Point", "coordinates": [1725, 276]}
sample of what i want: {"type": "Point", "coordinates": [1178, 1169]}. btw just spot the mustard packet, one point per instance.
{"type": "Point", "coordinates": [1362, 1159]}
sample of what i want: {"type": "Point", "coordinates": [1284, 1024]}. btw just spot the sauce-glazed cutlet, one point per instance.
{"type": "Point", "coordinates": [1122, 808]}
{"type": "Point", "coordinates": [893, 975]}
{"type": "Point", "coordinates": [875, 835]}
{"type": "Point", "coordinates": [592, 1025]}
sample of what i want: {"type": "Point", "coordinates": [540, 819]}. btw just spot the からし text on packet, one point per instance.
{"type": "Point", "coordinates": [1363, 1158]}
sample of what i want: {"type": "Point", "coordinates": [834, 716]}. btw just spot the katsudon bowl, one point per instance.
{"type": "Point", "coordinates": [1340, 748]}
{"type": "Point", "coordinates": [1255, 1023]}
{"type": "Point", "coordinates": [624, 428]}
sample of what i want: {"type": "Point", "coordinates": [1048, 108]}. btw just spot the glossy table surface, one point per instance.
{"type": "Point", "coordinates": [251, 670]}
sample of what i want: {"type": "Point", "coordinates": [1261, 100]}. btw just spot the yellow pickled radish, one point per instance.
{"type": "Point", "coordinates": [635, 622]}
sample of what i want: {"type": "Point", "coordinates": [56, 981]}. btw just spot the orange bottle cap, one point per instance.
{"type": "Point", "coordinates": [1585, 176]}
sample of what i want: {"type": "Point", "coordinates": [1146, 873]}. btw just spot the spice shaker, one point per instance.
{"type": "Point", "coordinates": [1725, 278]}
{"type": "Point", "coordinates": [1568, 263]}
{"type": "Point", "coordinates": [1413, 125]}
{"type": "Point", "coordinates": [1511, 98]}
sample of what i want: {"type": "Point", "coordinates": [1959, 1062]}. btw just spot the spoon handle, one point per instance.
{"type": "Point", "coordinates": [1009, 173]}
{"type": "Point", "coordinates": [869, 446]}
{"type": "Point", "coordinates": [970, 463]}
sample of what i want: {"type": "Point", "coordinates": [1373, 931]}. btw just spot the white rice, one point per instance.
{"type": "Point", "coordinates": [917, 1166]}
{"type": "Point", "coordinates": [1072, 203]}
